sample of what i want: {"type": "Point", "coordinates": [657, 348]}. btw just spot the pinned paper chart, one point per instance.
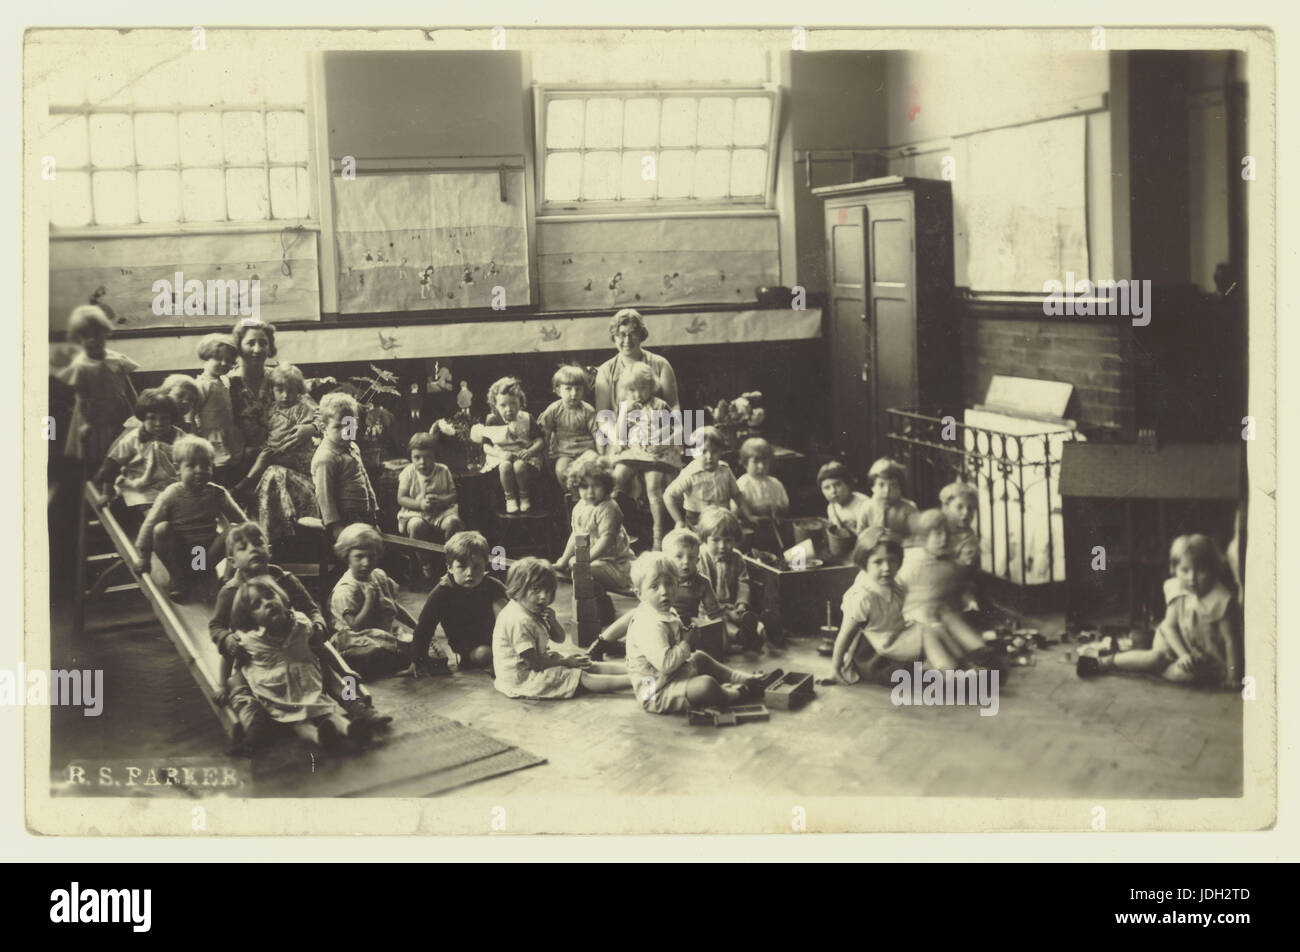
{"type": "Point", "coordinates": [430, 240]}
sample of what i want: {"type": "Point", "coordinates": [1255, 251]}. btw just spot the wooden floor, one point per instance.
{"type": "Point", "coordinates": [1054, 734]}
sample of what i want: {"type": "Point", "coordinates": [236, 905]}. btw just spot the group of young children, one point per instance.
{"type": "Point", "coordinates": [169, 453]}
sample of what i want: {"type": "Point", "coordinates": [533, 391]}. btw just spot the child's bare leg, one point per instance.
{"type": "Point", "coordinates": [480, 657]}
{"type": "Point", "coordinates": [562, 465]}
{"type": "Point", "coordinates": [604, 683]}
{"type": "Point", "coordinates": [1148, 661]}
{"type": "Point", "coordinates": [451, 525]}
{"type": "Point", "coordinates": [966, 638]}
{"type": "Point", "coordinates": [624, 477]}
{"type": "Point", "coordinates": [608, 667]}
{"type": "Point", "coordinates": [705, 691]}
{"type": "Point", "coordinates": [521, 477]}
{"type": "Point", "coordinates": [248, 482]}
{"type": "Point", "coordinates": [417, 528]}
{"type": "Point", "coordinates": [165, 547]}
{"type": "Point", "coordinates": [938, 647]}
{"type": "Point", "coordinates": [507, 473]}
{"type": "Point", "coordinates": [654, 491]}
{"type": "Point", "coordinates": [617, 629]}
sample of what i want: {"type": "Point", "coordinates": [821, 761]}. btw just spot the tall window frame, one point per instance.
{"type": "Point", "coordinates": [632, 158]}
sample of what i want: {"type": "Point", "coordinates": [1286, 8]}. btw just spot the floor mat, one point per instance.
{"type": "Point", "coordinates": [424, 754]}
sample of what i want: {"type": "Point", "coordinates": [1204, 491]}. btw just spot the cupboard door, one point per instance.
{"type": "Point", "coordinates": [848, 335]}
{"type": "Point", "coordinates": [891, 282]}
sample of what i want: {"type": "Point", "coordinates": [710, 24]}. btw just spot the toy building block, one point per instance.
{"type": "Point", "coordinates": [742, 714]}
{"type": "Point", "coordinates": [711, 637]}
{"type": "Point", "coordinates": [706, 717]}
{"type": "Point", "coordinates": [585, 607]}
{"type": "Point", "coordinates": [745, 713]}
{"type": "Point", "coordinates": [793, 691]}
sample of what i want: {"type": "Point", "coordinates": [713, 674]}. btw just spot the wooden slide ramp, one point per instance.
{"type": "Point", "coordinates": [421, 755]}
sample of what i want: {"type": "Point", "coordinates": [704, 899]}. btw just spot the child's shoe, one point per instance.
{"type": "Point", "coordinates": [596, 650]}
{"type": "Point", "coordinates": [756, 685]}
{"type": "Point", "coordinates": [1087, 667]}
{"type": "Point", "coordinates": [525, 504]}
{"type": "Point", "coordinates": [512, 505]}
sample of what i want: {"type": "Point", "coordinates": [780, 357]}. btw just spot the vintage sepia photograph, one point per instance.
{"type": "Point", "coordinates": [648, 430]}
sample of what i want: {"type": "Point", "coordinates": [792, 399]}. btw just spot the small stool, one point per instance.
{"type": "Point", "coordinates": [523, 533]}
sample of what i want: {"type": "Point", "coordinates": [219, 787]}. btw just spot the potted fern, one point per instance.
{"type": "Point", "coordinates": [376, 421]}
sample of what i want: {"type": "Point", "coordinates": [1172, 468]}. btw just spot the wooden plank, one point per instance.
{"type": "Point", "coordinates": [195, 649]}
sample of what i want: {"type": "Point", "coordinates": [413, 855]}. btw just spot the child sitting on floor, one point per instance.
{"type": "Point", "coordinates": [887, 506]}
{"type": "Point", "coordinates": [958, 501]}
{"type": "Point", "coordinates": [705, 481]}
{"type": "Point", "coordinates": [426, 493]}
{"type": "Point", "coordinates": [466, 602]}
{"type": "Point", "coordinates": [185, 393]}
{"type": "Point", "coordinates": [874, 635]}
{"type": "Point", "coordinates": [668, 675]}
{"type": "Point", "coordinates": [569, 424]}
{"type": "Point", "coordinates": [101, 379]}
{"type": "Point", "coordinates": [250, 556]}
{"type": "Point", "coordinates": [724, 567]}
{"type": "Point", "coordinates": [512, 443]}
{"type": "Point", "coordinates": [214, 414]}
{"type": "Point", "coordinates": [1197, 641]}
{"type": "Point", "coordinates": [524, 666]}
{"type": "Point", "coordinates": [694, 597]}
{"type": "Point", "coordinates": [598, 516]}
{"type": "Point", "coordinates": [846, 509]}
{"type": "Point", "coordinates": [372, 630]}
{"type": "Point", "coordinates": [343, 490]}
{"type": "Point", "coordinates": [272, 647]}
{"type": "Point", "coordinates": [183, 526]}
{"type": "Point", "coordinates": [935, 583]}
{"type": "Point", "coordinates": [139, 464]}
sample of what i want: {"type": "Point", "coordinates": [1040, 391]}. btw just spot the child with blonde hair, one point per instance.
{"type": "Point", "coordinates": [183, 390]}
{"type": "Point", "coordinates": [512, 442]}
{"type": "Point", "coordinates": [184, 523]}
{"type": "Point", "coordinates": [667, 673]}
{"type": "Point", "coordinates": [1197, 642]}
{"type": "Point", "coordinates": [524, 665]}
{"type": "Point", "coordinates": [101, 379]}
{"type": "Point", "coordinates": [343, 490]}
{"type": "Point", "coordinates": [372, 631]}
{"type": "Point", "coordinates": [569, 423]}
{"type": "Point", "coordinates": [598, 517]}
{"type": "Point", "coordinates": [214, 414]}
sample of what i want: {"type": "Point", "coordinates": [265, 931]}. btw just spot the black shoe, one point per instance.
{"type": "Point", "coordinates": [1087, 667]}
{"type": "Point", "coordinates": [596, 650]}
{"type": "Point", "coordinates": [254, 738]}
{"type": "Point", "coordinates": [757, 686]}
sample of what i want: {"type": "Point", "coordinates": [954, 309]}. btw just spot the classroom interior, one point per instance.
{"type": "Point", "coordinates": [861, 238]}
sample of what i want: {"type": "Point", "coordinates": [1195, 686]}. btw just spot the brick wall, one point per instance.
{"type": "Point", "coordinates": [1095, 356]}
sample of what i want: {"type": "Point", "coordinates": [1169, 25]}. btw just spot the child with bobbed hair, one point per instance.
{"type": "Point", "coordinates": [846, 509]}
{"type": "Point", "coordinates": [1197, 642]}
{"type": "Point", "coordinates": [372, 630]}
{"type": "Point", "coordinates": [874, 635]}
{"type": "Point", "coordinates": [887, 507]}
{"type": "Point", "coordinates": [598, 517]}
{"type": "Point", "coordinates": [139, 464]}
{"type": "Point", "coordinates": [763, 495]}
{"type": "Point", "coordinates": [101, 380]}
{"type": "Point", "coordinates": [668, 675]}
{"type": "Point", "coordinates": [524, 665]}
{"type": "Point", "coordinates": [512, 443]}
{"type": "Point", "coordinates": [426, 493]}
{"type": "Point", "coordinates": [214, 414]}
{"type": "Point", "coordinates": [569, 424]}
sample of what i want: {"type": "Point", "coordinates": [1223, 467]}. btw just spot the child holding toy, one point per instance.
{"type": "Point", "coordinates": [514, 445]}
{"type": "Point", "coordinates": [1197, 642]}
{"type": "Point", "coordinates": [667, 673]}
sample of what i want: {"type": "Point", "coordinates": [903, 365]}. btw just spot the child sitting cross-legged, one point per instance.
{"type": "Point", "coordinates": [694, 597]}
{"type": "Point", "coordinates": [250, 556]}
{"type": "Point", "coordinates": [372, 630]}
{"type": "Point", "coordinates": [183, 526]}
{"type": "Point", "coordinates": [272, 647]}
{"type": "Point", "coordinates": [426, 493]}
{"type": "Point", "coordinates": [667, 673]}
{"type": "Point", "coordinates": [1197, 641]}
{"type": "Point", "coordinates": [524, 665]}
{"type": "Point", "coordinates": [598, 516]}
{"type": "Point", "coordinates": [723, 565]}
{"type": "Point", "coordinates": [465, 602]}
